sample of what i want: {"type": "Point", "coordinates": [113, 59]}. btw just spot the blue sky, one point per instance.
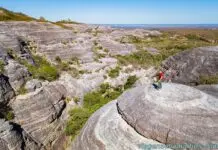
{"type": "Point", "coordinates": [120, 11]}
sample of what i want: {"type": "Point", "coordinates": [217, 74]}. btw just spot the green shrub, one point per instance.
{"type": "Point", "coordinates": [92, 102]}
{"type": "Point", "coordinates": [76, 100]}
{"type": "Point", "coordinates": [47, 72]}
{"type": "Point", "coordinates": [67, 99]}
{"type": "Point", "coordinates": [119, 88]}
{"type": "Point", "coordinates": [74, 72]}
{"type": "Point", "coordinates": [104, 87]}
{"type": "Point", "coordinates": [113, 73]}
{"type": "Point", "coordinates": [11, 53]}
{"type": "Point", "coordinates": [130, 82]}
{"type": "Point", "coordinates": [74, 60]}
{"type": "Point", "coordinates": [10, 115]}
{"type": "Point", "coordinates": [78, 117]}
{"type": "Point", "coordinates": [93, 98]}
{"type": "Point", "coordinates": [111, 95]}
{"type": "Point", "coordinates": [106, 50]}
{"type": "Point", "coordinates": [2, 65]}
{"type": "Point", "coordinates": [209, 79]}
{"type": "Point", "coordinates": [22, 90]}
{"type": "Point", "coordinates": [58, 59]}
{"type": "Point", "coordinates": [63, 66]}
{"type": "Point", "coordinates": [141, 58]}
{"type": "Point", "coordinates": [42, 69]}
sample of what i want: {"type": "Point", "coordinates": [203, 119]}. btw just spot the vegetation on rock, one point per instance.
{"type": "Point", "coordinates": [92, 102]}
{"type": "Point", "coordinates": [213, 79]}
{"type": "Point", "coordinates": [6, 112]}
{"type": "Point", "coordinates": [113, 73]}
{"type": "Point", "coordinates": [22, 90]}
{"type": "Point", "coordinates": [167, 45]}
{"type": "Point", "coordinates": [130, 82]}
{"type": "Point", "coordinates": [2, 65]}
{"type": "Point", "coordinates": [10, 115]}
{"type": "Point", "coordinates": [68, 21]}
{"type": "Point", "coordinates": [42, 69]}
{"type": "Point", "coordinates": [6, 15]}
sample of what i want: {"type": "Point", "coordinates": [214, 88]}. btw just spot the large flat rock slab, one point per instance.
{"type": "Point", "coordinates": [176, 114]}
{"type": "Point", "coordinates": [106, 130]}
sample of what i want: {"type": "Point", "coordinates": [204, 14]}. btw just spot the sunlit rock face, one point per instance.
{"type": "Point", "coordinates": [176, 114]}
{"type": "Point", "coordinates": [189, 65]}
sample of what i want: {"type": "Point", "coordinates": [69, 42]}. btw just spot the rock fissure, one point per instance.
{"type": "Point", "coordinates": [133, 126]}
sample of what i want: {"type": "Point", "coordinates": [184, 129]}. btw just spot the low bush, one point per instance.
{"type": "Point", "coordinates": [74, 60]}
{"type": "Point", "coordinates": [6, 112]}
{"type": "Point", "coordinates": [76, 100]}
{"type": "Point", "coordinates": [10, 115]}
{"type": "Point", "coordinates": [104, 87]}
{"type": "Point", "coordinates": [47, 72]}
{"type": "Point", "coordinates": [58, 59]}
{"type": "Point", "coordinates": [2, 65]}
{"type": "Point", "coordinates": [92, 102]}
{"type": "Point", "coordinates": [130, 82]}
{"type": "Point", "coordinates": [209, 79]}
{"type": "Point", "coordinates": [42, 69]}
{"type": "Point", "coordinates": [78, 117]}
{"type": "Point", "coordinates": [22, 90]}
{"type": "Point", "coordinates": [113, 73]}
{"type": "Point", "coordinates": [141, 58]}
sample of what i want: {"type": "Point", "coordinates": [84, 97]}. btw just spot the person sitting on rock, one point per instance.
{"type": "Point", "coordinates": [158, 79]}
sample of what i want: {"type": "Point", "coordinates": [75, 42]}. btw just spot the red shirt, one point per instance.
{"type": "Point", "coordinates": [161, 75]}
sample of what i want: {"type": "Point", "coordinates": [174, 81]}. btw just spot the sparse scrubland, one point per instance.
{"type": "Point", "coordinates": [166, 45]}
{"type": "Point", "coordinates": [92, 102]}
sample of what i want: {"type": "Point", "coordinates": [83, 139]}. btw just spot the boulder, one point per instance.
{"type": "Point", "coordinates": [32, 85]}
{"type": "Point", "coordinates": [176, 114]}
{"type": "Point", "coordinates": [39, 112]}
{"type": "Point", "coordinates": [106, 130]}
{"type": "Point", "coordinates": [17, 74]}
{"type": "Point", "coordinates": [187, 67]}
{"type": "Point", "coordinates": [6, 91]}
{"type": "Point", "coordinates": [3, 55]}
{"type": "Point", "coordinates": [12, 137]}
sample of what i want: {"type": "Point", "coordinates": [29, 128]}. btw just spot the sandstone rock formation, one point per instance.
{"type": "Point", "coordinates": [17, 74]}
{"type": "Point", "coordinates": [52, 40]}
{"type": "Point", "coordinates": [192, 64]}
{"type": "Point", "coordinates": [107, 130]}
{"type": "Point", "coordinates": [32, 85]}
{"type": "Point", "coordinates": [209, 89]}
{"type": "Point", "coordinates": [39, 112]}
{"type": "Point", "coordinates": [176, 114]}
{"type": "Point", "coordinates": [6, 91]}
{"type": "Point", "coordinates": [13, 137]}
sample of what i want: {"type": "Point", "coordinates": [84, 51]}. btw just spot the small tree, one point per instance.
{"type": "Point", "coordinates": [42, 19]}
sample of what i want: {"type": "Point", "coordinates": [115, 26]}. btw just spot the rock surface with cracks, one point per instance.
{"type": "Point", "coordinates": [176, 114]}
{"type": "Point", "coordinates": [106, 130]}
